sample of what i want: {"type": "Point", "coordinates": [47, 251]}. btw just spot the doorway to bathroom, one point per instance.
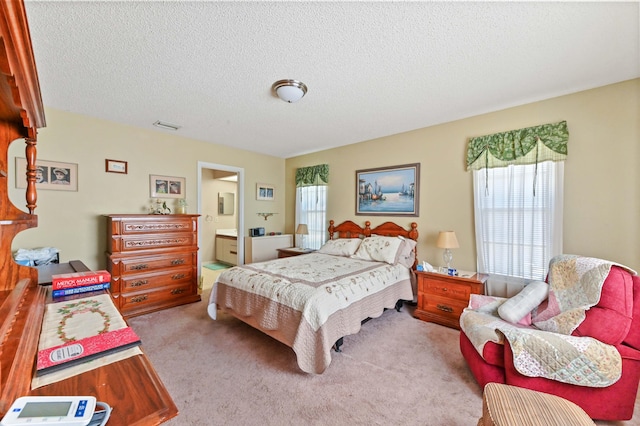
{"type": "Point", "coordinates": [220, 226]}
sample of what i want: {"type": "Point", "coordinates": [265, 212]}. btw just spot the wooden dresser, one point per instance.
{"type": "Point", "coordinates": [153, 261]}
{"type": "Point", "coordinates": [131, 386]}
{"type": "Point", "coordinates": [442, 298]}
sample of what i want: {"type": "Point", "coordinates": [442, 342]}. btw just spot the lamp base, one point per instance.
{"type": "Point", "coordinates": [447, 257]}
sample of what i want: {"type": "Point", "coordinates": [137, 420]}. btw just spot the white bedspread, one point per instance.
{"type": "Point", "coordinates": [310, 290]}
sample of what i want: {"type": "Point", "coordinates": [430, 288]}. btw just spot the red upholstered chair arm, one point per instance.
{"type": "Point", "coordinates": [628, 352]}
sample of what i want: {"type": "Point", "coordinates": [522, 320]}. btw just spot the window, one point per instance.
{"type": "Point", "coordinates": [311, 203]}
{"type": "Point", "coordinates": [518, 218]}
{"type": "Point", "coordinates": [311, 208]}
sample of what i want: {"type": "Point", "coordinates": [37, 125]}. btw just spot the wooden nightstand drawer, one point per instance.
{"type": "Point", "coordinates": [443, 306]}
{"type": "Point", "coordinates": [447, 289]}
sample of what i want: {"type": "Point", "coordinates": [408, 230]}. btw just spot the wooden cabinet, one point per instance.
{"type": "Point", "coordinates": [259, 249]}
{"type": "Point", "coordinates": [292, 251]}
{"type": "Point", "coordinates": [131, 386]}
{"type": "Point", "coordinates": [153, 261]}
{"type": "Point", "coordinates": [227, 249]}
{"type": "Point", "coordinates": [442, 298]}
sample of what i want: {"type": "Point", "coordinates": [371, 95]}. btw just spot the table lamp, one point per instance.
{"type": "Point", "coordinates": [302, 231]}
{"type": "Point", "coordinates": [447, 240]}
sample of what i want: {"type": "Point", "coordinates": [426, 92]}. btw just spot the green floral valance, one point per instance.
{"type": "Point", "coordinates": [313, 175]}
{"type": "Point", "coordinates": [532, 145]}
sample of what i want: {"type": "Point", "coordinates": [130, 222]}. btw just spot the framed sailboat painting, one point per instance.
{"type": "Point", "coordinates": [388, 191]}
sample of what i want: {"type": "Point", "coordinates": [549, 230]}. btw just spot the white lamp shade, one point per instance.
{"type": "Point", "coordinates": [302, 229]}
{"type": "Point", "coordinates": [447, 240]}
{"type": "Point", "coordinates": [290, 93]}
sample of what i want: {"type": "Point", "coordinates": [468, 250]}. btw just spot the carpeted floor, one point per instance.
{"type": "Point", "coordinates": [396, 371]}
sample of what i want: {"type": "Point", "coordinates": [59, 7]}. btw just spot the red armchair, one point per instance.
{"type": "Point", "coordinates": [615, 320]}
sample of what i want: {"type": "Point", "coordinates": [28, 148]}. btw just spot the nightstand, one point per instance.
{"type": "Point", "coordinates": [442, 298]}
{"type": "Point", "coordinates": [292, 251]}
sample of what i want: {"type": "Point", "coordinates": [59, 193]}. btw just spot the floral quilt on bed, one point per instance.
{"type": "Point", "coordinates": [547, 349]}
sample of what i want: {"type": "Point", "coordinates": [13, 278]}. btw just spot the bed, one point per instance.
{"type": "Point", "coordinates": [310, 302]}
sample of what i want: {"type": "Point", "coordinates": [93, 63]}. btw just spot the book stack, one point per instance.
{"type": "Point", "coordinates": [79, 282]}
{"type": "Point", "coordinates": [84, 350]}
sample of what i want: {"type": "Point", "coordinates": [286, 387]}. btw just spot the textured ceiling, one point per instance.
{"type": "Point", "coordinates": [373, 68]}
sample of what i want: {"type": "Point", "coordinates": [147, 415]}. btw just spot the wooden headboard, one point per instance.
{"type": "Point", "coordinates": [349, 229]}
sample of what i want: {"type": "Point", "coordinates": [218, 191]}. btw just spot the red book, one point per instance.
{"type": "Point", "coordinates": [79, 279]}
{"type": "Point", "coordinates": [78, 290]}
{"type": "Point", "coordinates": [83, 350]}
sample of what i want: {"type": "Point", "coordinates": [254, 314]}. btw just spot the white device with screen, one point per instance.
{"type": "Point", "coordinates": [50, 411]}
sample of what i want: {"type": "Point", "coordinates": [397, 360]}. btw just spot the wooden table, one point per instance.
{"type": "Point", "coordinates": [292, 251]}
{"type": "Point", "coordinates": [131, 386]}
{"type": "Point", "coordinates": [442, 298]}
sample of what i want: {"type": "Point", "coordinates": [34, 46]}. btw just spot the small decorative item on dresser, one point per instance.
{"type": "Point", "coordinates": [442, 298]}
{"type": "Point", "coordinates": [182, 206]}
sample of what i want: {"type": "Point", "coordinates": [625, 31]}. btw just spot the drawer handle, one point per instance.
{"type": "Point", "coordinates": [138, 267]}
{"type": "Point", "coordinates": [177, 261]}
{"type": "Point", "coordinates": [139, 299]}
{"type": "Point", "coordinates": [233, 252]}
{"type": "Point", "coordinates": [445, 308]}
{"type": "Point", "coordinates": [178, 291]}
{"type": "Point", "coordinates": [178, 276]}
{"type": "Point", "coordinates": [139, 283]}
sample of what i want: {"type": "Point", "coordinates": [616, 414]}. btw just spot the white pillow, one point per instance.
{"type": "Point", "coordinates": [406, 253]}
{"type": "Point", "coordinates": [517, 307]}
{"type": "Point", "coordinates": [341, 246]}
{"type": "Point", "coordinates": [379, 249]}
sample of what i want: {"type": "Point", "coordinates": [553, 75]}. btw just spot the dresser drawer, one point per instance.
{"type": "Point", "coordinates": [170, 224]}
{"type": "Point", "coordinates": [136, 265]}
{"type": "Point", "coordinates": [143, 300]}
{"type": "Point", "coordinates": [133, 243]}
{"type": "Point", "coordinates": [443, 307]}
{"type": "Point", "coordinates": [446, 289]}
{"type": "Point", "coordinates": [135, 283]}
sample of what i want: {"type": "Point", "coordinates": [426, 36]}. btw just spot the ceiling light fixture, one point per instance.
{"type": "Point", "coordinates": [289, 90]}
{"type": "Point", "coordinates": [166, 126]}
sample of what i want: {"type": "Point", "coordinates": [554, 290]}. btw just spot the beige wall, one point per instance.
{"type": "Point", "coordinates": [602, 178]}
{"type": "Point", "coordinates": [73, 222]}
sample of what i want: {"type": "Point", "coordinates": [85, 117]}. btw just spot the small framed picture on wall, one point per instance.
{"type": "Point", "coordinates": [265, 192]}
{"type": "Point", "coordinates": [167, 186]}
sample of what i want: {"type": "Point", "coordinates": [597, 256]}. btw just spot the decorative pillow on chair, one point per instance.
{"type": "Point", "coordinates": [521, 305]}
{"type": "Point", "coordinates": [341, 246]}
{"type": "Point", "coordinates": [379, 249]}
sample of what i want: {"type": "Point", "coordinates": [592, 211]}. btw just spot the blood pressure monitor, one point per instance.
{"type": "Point", "coordinates": [50, 411]}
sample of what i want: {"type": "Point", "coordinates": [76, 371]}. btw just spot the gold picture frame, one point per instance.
{"type": "Point", "coordinates": [388, 191]}
{"type": "Point", "coordinates": [50, 175]}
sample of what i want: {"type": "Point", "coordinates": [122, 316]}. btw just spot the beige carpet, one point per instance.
{"type": "Point", "coordinates": [396, 371]}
